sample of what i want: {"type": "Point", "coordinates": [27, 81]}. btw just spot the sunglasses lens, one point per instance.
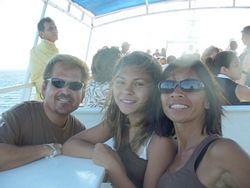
{"type": "Point", "coordinates": [75, 86]}
{"type": "Point", "coordinates": [191, 85]}
{"type": "Point", "coordinates": [167, 86]}
{"type": "Point", "coordinates": [58, 83]}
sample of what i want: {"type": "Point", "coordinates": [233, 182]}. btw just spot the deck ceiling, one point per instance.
{"type": "Point", "coordinates": [104, 7]}
{"type": "Point", "coordinates": [96, 13]}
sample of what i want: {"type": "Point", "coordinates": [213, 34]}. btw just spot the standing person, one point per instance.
{"type": "Point", "coordinates": [125, 48]}
{"type": "Point", "coordinates": [163, 52]}
{"type": "Point", "coordinates": [245, 55]}
{"type": "Point", "coordinates": [141, 155]}
{"type": "Point", "coordinates": [33, 130]}
{"type": "Point", "coordinates": [40, 54]}
{"type": "Point", "coordinates": [233, 45]}
{"type": "Point", "coordinates": [156, 54]}
{"type": "Point", "coordinates": [191, 100]}
{"type": "Point", "coordinates": [102, 66]}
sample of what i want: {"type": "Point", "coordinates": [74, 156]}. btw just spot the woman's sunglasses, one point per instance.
{"type": "Point", "coordinates": [60, 83]}
{"type": "Point", "coordinates": [188, 85]}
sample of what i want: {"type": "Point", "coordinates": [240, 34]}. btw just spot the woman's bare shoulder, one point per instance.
{"type": "Point", "coordinates": [225, 151]}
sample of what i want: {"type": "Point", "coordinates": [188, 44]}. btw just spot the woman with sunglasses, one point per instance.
{"type": "Point", "coordinates": [192, 101]}
{"type": "Point", "coordinates": [140, 155]}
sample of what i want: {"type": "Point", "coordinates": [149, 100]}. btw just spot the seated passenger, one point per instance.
{"type": "Point", "coordinates": [32, 130]}
{"type": "Point", "coordinates": [209, 53]}
{"type": "Point", "coordinates": [141, 154]}
{"type": "Point", "coordinates": [193, 102]}
{"type": "Point", "coordinates": [163, 62]}
{"type": "Point", "coordinates": [171, 59]}
{"type": "Point", "coordinates": [226, 67]}
{"type": "Point", "coordinates": [102, 66]}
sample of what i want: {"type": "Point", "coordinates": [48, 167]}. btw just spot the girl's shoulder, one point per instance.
{"type": "Point", "coordinates": [162, 142]}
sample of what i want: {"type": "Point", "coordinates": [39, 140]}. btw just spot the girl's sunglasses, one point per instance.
{"type": "Point", "coordinates": [188, 85]}
{"type": "Point", "coordinates": [60, 83]}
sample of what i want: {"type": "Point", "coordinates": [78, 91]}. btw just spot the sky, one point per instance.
{"type": "Point", "coordinates": [174, 31]}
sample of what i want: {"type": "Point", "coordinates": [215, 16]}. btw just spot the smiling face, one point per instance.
{"type": "Point", "coordinates": [62, 101]}
{"type": "Point", "coordinates": [132, 88]}
{"type": "Point", "coordinates": [181, 106]}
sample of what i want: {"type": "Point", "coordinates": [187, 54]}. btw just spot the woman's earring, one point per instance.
{"type": "Point", "coordinates": [207, 105]}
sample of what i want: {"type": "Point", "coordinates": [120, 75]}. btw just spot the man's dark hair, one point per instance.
{"type": "Point", "coordinates": [246, 30]}
{"type": "Point", "coordinates": [69, 60]}
{"type": "Point", "coordinates": [40, 25]}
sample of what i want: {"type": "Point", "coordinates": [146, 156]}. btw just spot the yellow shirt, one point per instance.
{"type": "Point", "coordinates": [39, 57]}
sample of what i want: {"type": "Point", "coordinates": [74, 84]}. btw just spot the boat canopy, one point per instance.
{"type": "Point", "coordinates": [95, 13]}
{"type": "Point", "coordinates": [104, 7]}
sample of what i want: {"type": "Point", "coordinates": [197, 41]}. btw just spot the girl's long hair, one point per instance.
{"type": "Point", "coordinates": [117, 121]}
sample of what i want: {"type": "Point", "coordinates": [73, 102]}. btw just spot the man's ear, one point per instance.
{"type": "Point", "coordinates": [83, 93]}
{"type": "Point", "coordinates": [41, 35]}
{"type": "Point", "coordinates": [43, 90]}
{"type": "Point", "coordinates": [223, 70]}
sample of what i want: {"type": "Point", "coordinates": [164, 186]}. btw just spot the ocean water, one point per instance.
{"type": "Point", "coordinates": [7, 79]}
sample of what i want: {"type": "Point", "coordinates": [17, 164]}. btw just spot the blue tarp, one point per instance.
{"type": "Point", "coordinates": [102, 7]}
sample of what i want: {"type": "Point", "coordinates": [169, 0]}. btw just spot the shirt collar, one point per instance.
{"type": "Point", "coordinates": [223, 76]}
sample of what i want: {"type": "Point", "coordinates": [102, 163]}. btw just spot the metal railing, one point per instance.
{"type": "Point", "coordinates": [26, 94]}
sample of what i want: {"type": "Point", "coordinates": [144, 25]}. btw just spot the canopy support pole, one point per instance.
{"type": "Point", "coordinates": [89, 41]}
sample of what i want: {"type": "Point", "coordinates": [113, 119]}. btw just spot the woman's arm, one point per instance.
{"type": "Point", "coordinates": [227, 164]}
{"type": "Point", "coordinates": [82, 144]}
{"type": "Point", "coordinates": [243, 93]}
{"type": "Point", "coordinates": [236, 162]}
{"type": "Point", "coordinates": [161, 152]}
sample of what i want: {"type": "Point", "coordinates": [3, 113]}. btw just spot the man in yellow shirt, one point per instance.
{"type": "Point", "coordinates": [43, 52]}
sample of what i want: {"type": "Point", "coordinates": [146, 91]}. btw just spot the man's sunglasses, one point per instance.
{"type": "Point", "coordinates": [60, 83]}
{"type": "Point", "coordinates": [188, 85]}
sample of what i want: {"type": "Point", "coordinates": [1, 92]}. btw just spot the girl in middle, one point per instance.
{"type": "Point", "coordinates": [141, 153]}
